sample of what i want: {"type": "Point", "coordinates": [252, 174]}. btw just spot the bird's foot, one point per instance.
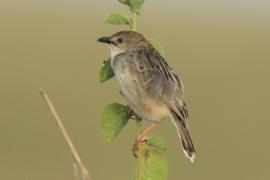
{"type": "Point", "coordinates": [136, 143]}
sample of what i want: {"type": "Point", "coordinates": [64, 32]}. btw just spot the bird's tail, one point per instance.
{"type": "Point", "coordinates": [184, 136]}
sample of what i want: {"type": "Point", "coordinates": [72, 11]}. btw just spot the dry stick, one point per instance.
{"type": "Point", "coordinates": [84, 173]}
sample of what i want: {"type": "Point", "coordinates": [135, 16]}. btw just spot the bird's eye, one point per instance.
{"type": "Point", "coordinates": [119, 40]}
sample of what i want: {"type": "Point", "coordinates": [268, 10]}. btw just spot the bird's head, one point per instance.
{"type": "Point", "coordinates": [123, 41]}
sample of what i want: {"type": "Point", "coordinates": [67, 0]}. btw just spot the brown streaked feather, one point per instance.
{"type": "Point", "coordinates": [184, 136]}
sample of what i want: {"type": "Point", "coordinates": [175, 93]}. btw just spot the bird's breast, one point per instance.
{"type": "Point", "coordinates": [134, 93]}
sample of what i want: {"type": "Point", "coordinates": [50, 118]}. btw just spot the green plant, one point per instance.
{"type": "Point", "coordinates": [151, 163]}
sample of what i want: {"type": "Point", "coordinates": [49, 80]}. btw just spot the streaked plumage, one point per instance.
{"type": "Point", "coordinates": [151, 87]}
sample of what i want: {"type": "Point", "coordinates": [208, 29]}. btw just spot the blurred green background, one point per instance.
{"type": "Point", "coordinates": [220, 48]}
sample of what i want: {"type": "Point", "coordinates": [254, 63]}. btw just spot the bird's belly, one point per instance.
{"type": "Point", "coordinates": [143, 105]}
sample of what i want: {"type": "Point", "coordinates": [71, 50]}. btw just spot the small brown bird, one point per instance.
{"type": "Point", "coordinates": [151, 87]}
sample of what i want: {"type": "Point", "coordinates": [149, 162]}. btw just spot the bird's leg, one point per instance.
{"type": "Point", "coordinates": [144, 134]}
{"type": "Point", "coordinates": [143, 137]}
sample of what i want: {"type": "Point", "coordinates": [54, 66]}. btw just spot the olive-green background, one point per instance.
{"type": "Point", "coordinates": [220, 48]}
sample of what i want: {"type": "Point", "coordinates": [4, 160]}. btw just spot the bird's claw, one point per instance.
{"type": "Point", "coordinates": [135, 146]}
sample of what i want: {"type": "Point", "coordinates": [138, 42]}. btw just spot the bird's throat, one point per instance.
{"type": "Point", "coordinates": [115, 51]}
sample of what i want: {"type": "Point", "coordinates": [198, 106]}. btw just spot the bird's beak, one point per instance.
{"type": "Point", "coordinates": [105, 40]}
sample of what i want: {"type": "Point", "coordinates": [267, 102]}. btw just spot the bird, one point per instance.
{"type": "Point", "coordinates": [152, 89]}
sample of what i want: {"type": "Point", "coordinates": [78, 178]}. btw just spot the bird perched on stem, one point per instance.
{"type": "Point", "coordinates": [151, 87]}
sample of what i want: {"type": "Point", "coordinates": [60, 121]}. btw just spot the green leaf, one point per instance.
{"type": "Point", "coordinates": [118, 19]}
{"type": "Point", "coordinates": [157, 46]}
{"type": "Point", "coordinates": [106, 71]}
{"type": "Point", "coordinates": [155, 167]}
{"type": "Point", "coordinates": [152, 166]}
{"type": "Point", "coordinates": [126, 2]}
{"type": "Point", "coordinates": [136, 5]}
{"type": "Point", "coordinates": [113, 120]}
{"type": "Point", "coordinates": [157, 142]}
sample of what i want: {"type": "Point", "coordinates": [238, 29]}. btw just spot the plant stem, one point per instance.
{"type": "Point", "coordinates": [133, 25]}
{"type": "Point", "coordinates": [141, 160]}
{"type": "Point", "coordinates": [77, 160]}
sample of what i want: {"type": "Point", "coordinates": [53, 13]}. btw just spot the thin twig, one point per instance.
{"type": "Point", "coordinates": [83, 171]}
{"type": "Point", "coordinates": [76, 172]}
{"type": "Point", "coordinates": [133, 25]}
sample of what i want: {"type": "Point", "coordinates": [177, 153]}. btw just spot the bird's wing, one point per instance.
{"type": "Point", "coordinates": [158, 79]}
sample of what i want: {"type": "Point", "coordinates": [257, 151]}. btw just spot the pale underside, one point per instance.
{"type": "Point", "coordinates": [148, 84]}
